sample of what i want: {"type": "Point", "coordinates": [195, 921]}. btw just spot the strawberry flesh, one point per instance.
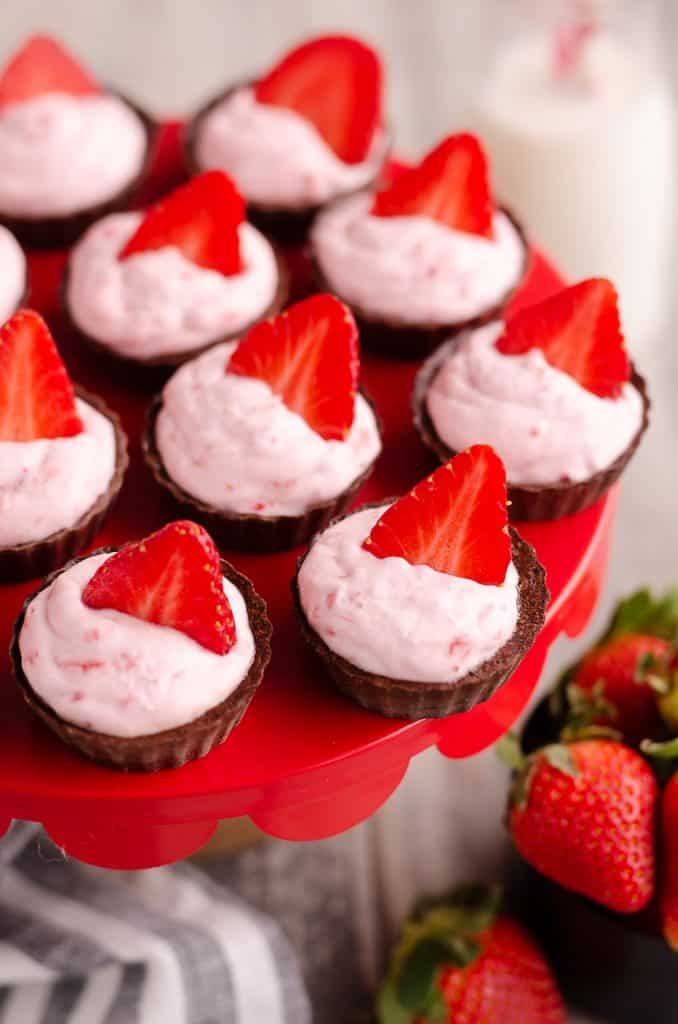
{"type": "Point", "coordinates": [335, 82]}
{"type": "Point", "coordinates": [42, 66]}
{"type": "Point", "coordinates": [451, 185]}
{"type": "Point", "coordinates": [578, 331]}
{"type": "Point", "coordinates": [308, 355]}
{"type": "Point", "coordinates": [454, 521]}
{"type": "Point", "coordinates": [172, 578]}
{"type": "Point", "coordinates": [201, 219]}
{"type": "Point", "coordinates": [669, 880]}
{"type": "Point", "coordinates": [36, 394]}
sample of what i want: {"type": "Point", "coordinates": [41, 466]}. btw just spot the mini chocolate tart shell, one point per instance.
{"type": "Point", "coordinates": [171, 748]}
{"type": "Point", "coordinates": [411, 699]}
{"type": "Point", "coordinates": [153, 370]}
{"type": "Point", "coordinates": [529, 502]}
{"type": "Point", "coordinates": [60, 232]}
{"type": "Point", "coordinates": [241, 532]}
{"type": "Point", "coordinates": [39, 557]}
{"type": "Point", "coordinates": [397, 340]}
{"type": "Point", "coordinates": [288, 225]}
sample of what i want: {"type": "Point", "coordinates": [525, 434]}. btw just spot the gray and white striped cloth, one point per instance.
{"type": "Point", "coordinates": [79, 946]}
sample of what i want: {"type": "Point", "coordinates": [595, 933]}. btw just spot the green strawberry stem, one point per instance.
{"type": "Point", "coordinates": [666, 751]}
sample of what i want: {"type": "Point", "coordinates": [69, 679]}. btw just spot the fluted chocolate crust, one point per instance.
{"type": "Point", "coordinates": [397, 340]}
{"type": "Point", "coordinates": [39, 557]}
{"type": "Point", "coordinates": [529, 502]}
{"type": "Point", "coordinates": [398, 698]}
{"type": "Point", "coordinates": [242, 532]}
{"type": "Point", "coordinates": [171, 748]}
{"type": "Point", "coordinates": [288, 225]}
{"type": "Point", "coordinates": [152, 370]}
{"type": "Point", "coordinates": [59, 232]}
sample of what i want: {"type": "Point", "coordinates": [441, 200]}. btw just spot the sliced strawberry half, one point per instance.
{"type": "Point", "coordinates": [42, 66]}
{"type": "Point", "coordinates": [335, 82]}
{"type": "Point", "coordinates": [36, 393]}
{"type": "Point", "coordinates": [450, 185]}
{"type": "Point", "coordinates": [201, 219]}
{"type": "Point", "coordinates": [454, 521]}
{"type": "Point", "coordinates": [578, 331]}
{"type": "Point", "coordinates": [172, 578]}
{"type": "Point", "coordinates": [309, 356]}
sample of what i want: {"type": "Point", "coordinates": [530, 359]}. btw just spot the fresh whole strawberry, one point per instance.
{"type": "Point", "coordinates": [454, 521]}
{"type": "Point", "coordinates": [578, 332]}
{"type": "Point", "coordinates": [36, 394]}
{"type": "Point", "coordinates": [172, 578]}
{"type": "Point", "coordinates": [669, 865]}
{"type": "Point", "coordinates": [463, 962]}
{"type": "Point", "coordinates": [42, 66]}
{"type": "Point", "coordinates": [451, 185]}
{"type": "Point", "coordinates": [335, 82]}
{"type": "Point", "coordinates": [619, 670]}
{"type": "Point", "coordinates": [308, 355]}
{"type": "Point", "coordinates": [583, 815]}
{"type": "Point", "coordinates": [201, 219]}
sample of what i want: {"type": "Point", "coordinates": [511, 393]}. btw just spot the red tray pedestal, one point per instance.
{"type": "Point", "coordinates": [305, 763]}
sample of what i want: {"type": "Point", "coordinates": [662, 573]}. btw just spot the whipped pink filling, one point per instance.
{"type": "Point", "coordinates": [396, 619]}
{"type": "Point", "coordinates": [276, 156]}
{"type": "Point", "coordinates": [546, 427]}
{"type": "Point", "coordinates": [62, 154]}
{"type": "Point", "coordinates": [414, 270]}
{"type": "Point", "coordinates": [48, 485]}
{"type": "Point", "coordinates": [158, 302]}
{"type": "Point", "coordinates": [231, 442]}
{"type": "Point", "coordinates": [116, 674]}
{"type": "Point", "coordinates": [12, 274]}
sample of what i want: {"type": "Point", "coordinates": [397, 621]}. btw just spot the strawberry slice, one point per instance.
{"type": "Point", "coordinates": [172, 578]}
{"type": "Point", "coordinates": [201, 219]}
{"type": "Point", "coordinates": [579, 333]}
{"type": "Point", "coordinates": [454, 521]}
{"type": "Point", "coordinates": [309, 356]}
{"type": "Point", "coordinates": [335, 82]}
{"type": "Point", "coordinates": [42, 66]}
{"type": "Point", "coordinates": [36, 394]}
{"type": "Point", "coordinates": [450, 185]}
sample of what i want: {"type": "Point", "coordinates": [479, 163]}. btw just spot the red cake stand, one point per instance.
{"type": "Point", "coordinates": [305, 763]}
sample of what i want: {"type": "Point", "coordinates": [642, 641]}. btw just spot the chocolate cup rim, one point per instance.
{"type": "Point", "coordinates": [306, 212]}
{"type": "Point", "coordinates": [134, 752]}
{"type": "Point", "coordinates": [105, 499]}
{"type": "Point", "coordinates": [417, 341]}
{"type": "Point", "coordinates": [529, 502]}
{"type": "Point", "coordinates": [173, 360]}
{"type": "Point", "coordinates": [413, 699]}
{"type": "Point", "coordinates": [210, 513]}
{"type": "Point", "coordinates": [55, 232]}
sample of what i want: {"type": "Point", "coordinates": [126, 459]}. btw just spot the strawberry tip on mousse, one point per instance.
{"type": "Point", "coordinates": [268, 438]}
{"type": "Point", "coordinates": [424, 607]}
{"type": "Point", "coordinates": [552, 389]}
{"type": "Point", "coordinates": [165, 649]}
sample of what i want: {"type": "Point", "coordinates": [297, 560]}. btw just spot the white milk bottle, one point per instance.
{"type": "Point", "coordinates": [577, 115]}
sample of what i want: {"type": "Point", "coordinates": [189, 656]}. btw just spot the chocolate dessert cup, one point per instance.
{"type": "Point", "coordinates": [39, 557]}
{"type": "Point", "coordinates": [287, 225]}
{"type": "Point", "coordinates": [528, 502]}
{"type": "Point", "coordinates": [413, 699]}
{"type": "Point", "coordinates": [397, 340]}
{"type": "Point", "coordinates": [58, 232]}
{"type": "Point", "coordinates": [170, 748]}
{"type": "Point", "coordinates": [153, 370]}
{"type": "Point", "coordinates": [240, 531]}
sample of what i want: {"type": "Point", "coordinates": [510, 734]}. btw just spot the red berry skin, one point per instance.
{"type": "Point", "coordinates": [593, 832]}
{"type": "Point", "coordinates": [616, 663]}
{"type": "Point", "coordinates": [669, 868]}
{"type": "Point", "coordinates": [508, 982]}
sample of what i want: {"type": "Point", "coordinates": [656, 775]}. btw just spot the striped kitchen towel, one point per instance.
{"type": "Point", "coordinates": [81, 946]}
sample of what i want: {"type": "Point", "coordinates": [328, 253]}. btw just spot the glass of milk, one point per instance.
{"type": "Point", "coordinates": [577, 114]}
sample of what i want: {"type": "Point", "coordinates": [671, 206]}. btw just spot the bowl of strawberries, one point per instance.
{"type": "Point", "coordinates": [593, 814]}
